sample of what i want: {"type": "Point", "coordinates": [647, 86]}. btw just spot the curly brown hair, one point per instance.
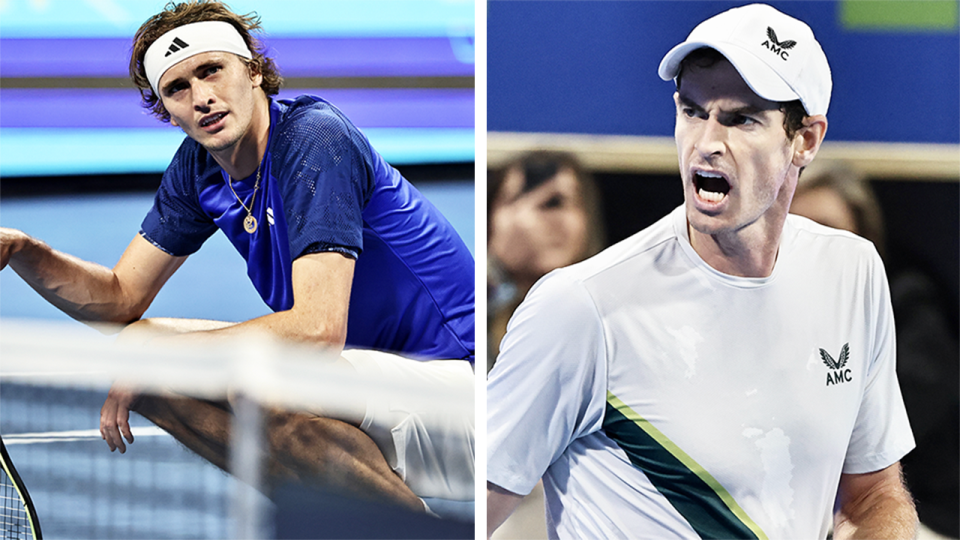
{"type": "Point", "coordinates": [176, 14]}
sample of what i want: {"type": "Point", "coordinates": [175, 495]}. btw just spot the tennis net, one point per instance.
{"type": "Point", "coordinates": [54, 379]}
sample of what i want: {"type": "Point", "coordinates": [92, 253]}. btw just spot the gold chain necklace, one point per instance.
{"type": "Point", "coordinates": [249, 222]}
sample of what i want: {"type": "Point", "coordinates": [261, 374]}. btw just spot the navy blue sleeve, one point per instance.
{"type": "Point", "coordinates": [327, 176]}
{"type": "Point", "coordinates": [176, 223]}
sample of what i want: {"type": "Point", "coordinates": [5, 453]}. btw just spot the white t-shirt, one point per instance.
{"type": "Point", "coordinates": [658, 397]}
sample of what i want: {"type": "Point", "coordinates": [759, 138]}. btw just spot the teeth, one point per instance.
{"type": "Point", "coordinates": [706, 194]}
{"type": "Point", "coordinates": [212, 120]}
{"type": "Point", "coordinates": [710, 196]}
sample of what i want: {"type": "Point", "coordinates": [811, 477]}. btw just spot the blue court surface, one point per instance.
{"type": "Point", "coordinates": [158, 489]}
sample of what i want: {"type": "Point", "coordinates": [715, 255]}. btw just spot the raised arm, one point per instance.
{"type": "Point", "coordinates": [875, 505]}
{"type": "Point", "coordinates": [87, 291]}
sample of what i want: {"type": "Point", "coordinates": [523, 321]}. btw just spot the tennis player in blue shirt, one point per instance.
{"type": "Point", "coordinates": [344, 250]}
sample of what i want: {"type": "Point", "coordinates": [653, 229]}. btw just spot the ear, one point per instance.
{"type": "Point", "coordinates": [807, 141]}
{"type": "Point", "coordinates": [256, 77]}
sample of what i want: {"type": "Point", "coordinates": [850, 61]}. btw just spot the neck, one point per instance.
{"type": "Point", "coordinates": [243, 158]}
{"type": "Point", "coordinates": [748, 252]}
{"type": "Point", "coordinates": [750, 249]}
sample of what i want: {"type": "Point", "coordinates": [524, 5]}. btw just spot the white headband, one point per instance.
{"type": "Point", "coordinates": [185, 41]}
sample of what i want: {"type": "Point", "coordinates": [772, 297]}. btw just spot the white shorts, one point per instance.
{"type": "Point", "coordinates": [431, 449]}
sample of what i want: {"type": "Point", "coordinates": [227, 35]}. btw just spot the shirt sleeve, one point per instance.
{"type": "Point", "coordinates": [882, 434]}
{"type": "Point", "coordinates": [329, 178]}
{"type": "Point", "coordinates": [176, 224]}
{"type": "Point", "coordinates": [548, 386]}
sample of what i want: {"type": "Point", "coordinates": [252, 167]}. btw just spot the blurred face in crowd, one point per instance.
{"type": "Point", "coordinates": [535, 232]}
{"type": "Point", "coordinates": [826, 207]}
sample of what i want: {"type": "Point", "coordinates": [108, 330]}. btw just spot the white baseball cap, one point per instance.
{"type": "Point", "coordinates": [776, 55]}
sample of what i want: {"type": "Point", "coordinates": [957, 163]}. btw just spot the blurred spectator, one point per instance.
{"type": "Point", "coordinates": [928, 355]}
{"type": "Point", "coordinates": [543, 213]}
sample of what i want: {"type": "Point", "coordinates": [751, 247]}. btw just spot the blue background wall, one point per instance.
{"type": "Point", "coordinates": [401, 70]}
{"type": "Point", "coordinates": [591, 67]}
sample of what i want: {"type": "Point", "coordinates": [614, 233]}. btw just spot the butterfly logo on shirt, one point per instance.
{"type": "Point", "coordinates": [839, 372]}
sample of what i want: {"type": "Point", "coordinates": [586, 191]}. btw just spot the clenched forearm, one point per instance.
{"type": "Point", "coordinates": [889, 514]}
{"type": "Point", "coordinates": [321, 288]}
{"type": "Point", "coordinates": [501, 503]}
{"type": "Point", "coordinates": [83, 290]}
{"type": "Point", "coordinates": [292, 326]}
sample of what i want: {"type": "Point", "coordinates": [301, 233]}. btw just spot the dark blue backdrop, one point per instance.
{"type": "Point", "coordinates": [591, 67]}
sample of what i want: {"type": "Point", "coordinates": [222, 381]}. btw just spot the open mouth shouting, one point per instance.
{"type": "Point", "coordinates": [711, 187]}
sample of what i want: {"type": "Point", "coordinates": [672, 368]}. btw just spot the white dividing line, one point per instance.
{"type": "Point", "coordinates": [75, 435]}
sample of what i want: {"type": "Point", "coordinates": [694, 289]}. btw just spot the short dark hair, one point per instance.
{"type": "Point", "coordinates": [178, 14]}
{"type": "Point", "coordinates": [705, 57]}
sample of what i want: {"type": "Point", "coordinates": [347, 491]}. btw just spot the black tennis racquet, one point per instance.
{"type": "Point", "coordinates": [18, 519]}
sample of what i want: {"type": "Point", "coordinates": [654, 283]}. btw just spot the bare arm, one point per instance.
{"type": "Point", "coordinates": [88, 291]}
{"type": "Point", "coordinates": [500, 504]}
{"type": "Point", "coordinates": [875, 505]}
{"type": "Point", "coordinates": [321, 298]}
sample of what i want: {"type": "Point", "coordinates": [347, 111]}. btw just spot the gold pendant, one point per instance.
{"type": "Point", "coordinates": [250, 224]}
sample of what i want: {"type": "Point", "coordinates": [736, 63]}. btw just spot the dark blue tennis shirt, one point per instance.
{"type": "Point", "coordinates": [324, 188]}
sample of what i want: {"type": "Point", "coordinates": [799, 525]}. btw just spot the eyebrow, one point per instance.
{"type": "Point", "coordinates": [166, 88]}
{"type": "Point", "coordinates": [212, 62]}
{"type": "Point", "coordinates": [216, 61]}
{"type": "Point", "coordinates": [689, 102]}
{"type": "Point", "coordinates": [744, 110]}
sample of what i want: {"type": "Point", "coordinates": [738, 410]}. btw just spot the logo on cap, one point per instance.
{"type": "Point", "coordinates": [176, 46]}
{"type": "Point", "coordinates": [778, 48]}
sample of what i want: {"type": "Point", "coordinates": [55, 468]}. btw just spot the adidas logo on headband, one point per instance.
{"type": "Point", "coordinates": [176, 46]}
